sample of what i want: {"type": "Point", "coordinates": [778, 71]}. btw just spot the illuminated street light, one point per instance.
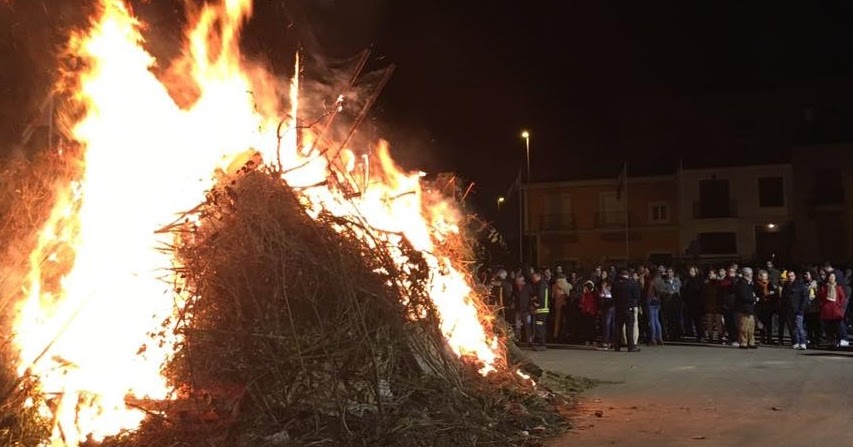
{"type": "Point", "coordinates": [771, 226]}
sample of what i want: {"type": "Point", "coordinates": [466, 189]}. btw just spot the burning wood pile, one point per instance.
{"type": "Point", "coordinates": [302, 330]}
{"type": "Point", "coordinates": [307, 294]}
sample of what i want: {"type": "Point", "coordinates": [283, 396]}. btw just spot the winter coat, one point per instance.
{"type": "Point", "coordinates": [589, 300]}
{"type": "Point", "coordinates": [726, 293]}
{"type": "Point", "coordinates": [814, 303]}
{"type": "Point", "coordinates": [650, 295]}
{"type": "Point", "coordinates": [692, 294]}
{"type": "Point", "coordinates": [710, 297]}
{"type": "Point", "coordinates": [744, 297]}
{"type": "Point", "coordinates": [523, 297]}
{"type": "Point", "coordinates": [795, 298]}
{"type": "Point", "coordinates": [832, 310]}
{"type": "Point", "coordinates": [626, 293]}
{"type": "Point", "coordinates": [767, 297]}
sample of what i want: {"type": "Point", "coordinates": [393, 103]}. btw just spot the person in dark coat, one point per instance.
{"type": "Point", "coordinates": [774, 275]}
{"type": "Point", "coordinates": [626, 298]}
{"type": "Point", "coordinates": [712, 305]}
{"type": "Point", "coordinates": [726, 295]}
{"type": "Point", "coordinates": [502, 296]}
{"type": "Point", "coordinates": [745, 310]}
{"type": "Point", "coordinates": [795, 300]}
{"type": "Point", "coordinates": [522, 296]}
{"type": "Point", "coordinates": [691, 293]}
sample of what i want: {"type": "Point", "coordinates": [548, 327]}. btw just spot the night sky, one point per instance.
{"type": "Point", "coordinates": [597, 83]}
{"type": "Point", "coordinates": [602, 82]}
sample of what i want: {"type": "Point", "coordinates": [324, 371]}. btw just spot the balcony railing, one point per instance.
{"type": "Point", "coordinates": [611, 219]}
{"type": "Point", "coordinates": [711, 210]}
{"type": "Point", "coordinates": [830, 196]}
{"type": "Point", "coordinates": [557, 222]}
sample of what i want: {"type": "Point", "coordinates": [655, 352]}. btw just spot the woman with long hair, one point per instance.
{"type": "Point", "coordinates": [833, 303]}
{"type": "Point", "coordinates": [653, 304]}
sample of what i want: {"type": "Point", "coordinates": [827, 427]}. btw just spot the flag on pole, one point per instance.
{"type": "Point", "coordinates": [620, 183]}
{"type": "Point", "coordinates": [514, 186]}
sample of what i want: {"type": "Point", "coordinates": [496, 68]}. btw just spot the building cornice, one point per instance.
{"type": "Point", "coordinates": [599, 182]}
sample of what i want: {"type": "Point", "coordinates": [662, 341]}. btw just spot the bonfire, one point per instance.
{"type": "Point", "coordinates": [222, 270]}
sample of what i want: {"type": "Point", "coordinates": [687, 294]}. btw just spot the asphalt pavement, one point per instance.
{"type": "Point", "coordinates": [709, 395]}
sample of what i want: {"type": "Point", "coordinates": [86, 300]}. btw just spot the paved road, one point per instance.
{"type": "Point", "coordinates": [709, 396]}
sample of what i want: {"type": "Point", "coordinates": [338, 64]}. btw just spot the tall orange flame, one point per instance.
{"type": "Point", "coordinates": [146, 160]}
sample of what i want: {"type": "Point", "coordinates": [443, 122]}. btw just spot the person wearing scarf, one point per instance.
{"type": "Point", "coordinates": [832, 305]}
{"type": "Point", "coordinates": [767, 306]}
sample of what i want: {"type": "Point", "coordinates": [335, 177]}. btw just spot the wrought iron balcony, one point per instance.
{"type": "Point", "coordinates": [612, 219]}
{"type": "Point", "coordinates": [557, 222]}
{"type": "Point", "coordinates": [714, 210]}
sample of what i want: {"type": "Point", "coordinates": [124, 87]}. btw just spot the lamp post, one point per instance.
{"type": "Point", "coordinates": [501, 201]}
{"type": "Point", "coordinates": [522, 199]}
{"type": "Point", "coordinates": [526, 135]}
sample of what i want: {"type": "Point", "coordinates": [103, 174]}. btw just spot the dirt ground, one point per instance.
{"type": "Point", "coordinates": [709, 396]}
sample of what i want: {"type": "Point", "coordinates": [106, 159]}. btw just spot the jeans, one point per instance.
{"type": "Point", "coordinates": [731, 325]}
{"type": "Point", "coordinates": [522, 327]}
{"type": "Point", "coordinates": [586, 327]}
{"type": "Point", "coordinates": [765, 313]}
{"type": "Point", "coordinates": [788, 320]}
{"type": "Point", "coordinates": [625, 317]}
{"type": "Point", "coordinates": [607, 324]}
{"type": "Point", "coordinates": [643, 323]}
{"type": "Point", "coordinates": [655, 330]}
{"type": "Point", "coordinates": [672, 316]}
{"type": "Point", "coordinates": [635, 333]}
{"type": "Point", "coordinates": [814, 331]}
{"type": "Point", "coordinates": [799, 332]}
{"type": "Point", "coordinates": [836, 330]}
{"type": "Point", "coordinates": [713, 323]}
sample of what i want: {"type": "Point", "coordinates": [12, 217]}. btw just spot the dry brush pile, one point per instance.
{"type": "Point", "coordinates": [296, 331]}
{"type": "Point", "coordinates": [302, 331]}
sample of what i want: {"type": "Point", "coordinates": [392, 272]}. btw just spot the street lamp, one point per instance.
{"type": "Point", "coordinates": [501, 200]}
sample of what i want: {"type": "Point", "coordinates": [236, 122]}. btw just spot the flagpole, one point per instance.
{"type": "Point", "coordinates": [520, 221]}
{"type": "Point", "coordinates": [627, 219]}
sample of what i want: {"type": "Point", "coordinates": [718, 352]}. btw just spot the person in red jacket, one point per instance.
{"type": "Point", "coordinates": [589, 312]}
{"type": "Point", "coordinates": [833, 302]}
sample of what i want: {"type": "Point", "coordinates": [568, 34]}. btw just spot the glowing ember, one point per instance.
{"type": "Point", "coordinates": [524, 376]}
{"type": "Point", "coordinates": [97, 289]}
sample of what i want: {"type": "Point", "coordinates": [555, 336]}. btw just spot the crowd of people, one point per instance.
{"type": "Point", "coordinates": [615, 308]}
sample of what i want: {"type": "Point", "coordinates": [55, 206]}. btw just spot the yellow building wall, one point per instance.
{"type": "Point", "coordinates": [587, 244]}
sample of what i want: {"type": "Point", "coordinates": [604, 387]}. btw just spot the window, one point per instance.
{"type": "Point", "coordinates": [659, 212]}
{"type": "Point", "coordinates": [828, 187]}
{"type": "Point", "coordinates": [611, 210]}
{"type": "Point", "coordinates": [717, 243]}
{"type": "Point", "coordinates": [771, 192]}
{"type": "Point", "coordinates": [714, 201]}
{"type": "Point", "coordinates": [558, 211]}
